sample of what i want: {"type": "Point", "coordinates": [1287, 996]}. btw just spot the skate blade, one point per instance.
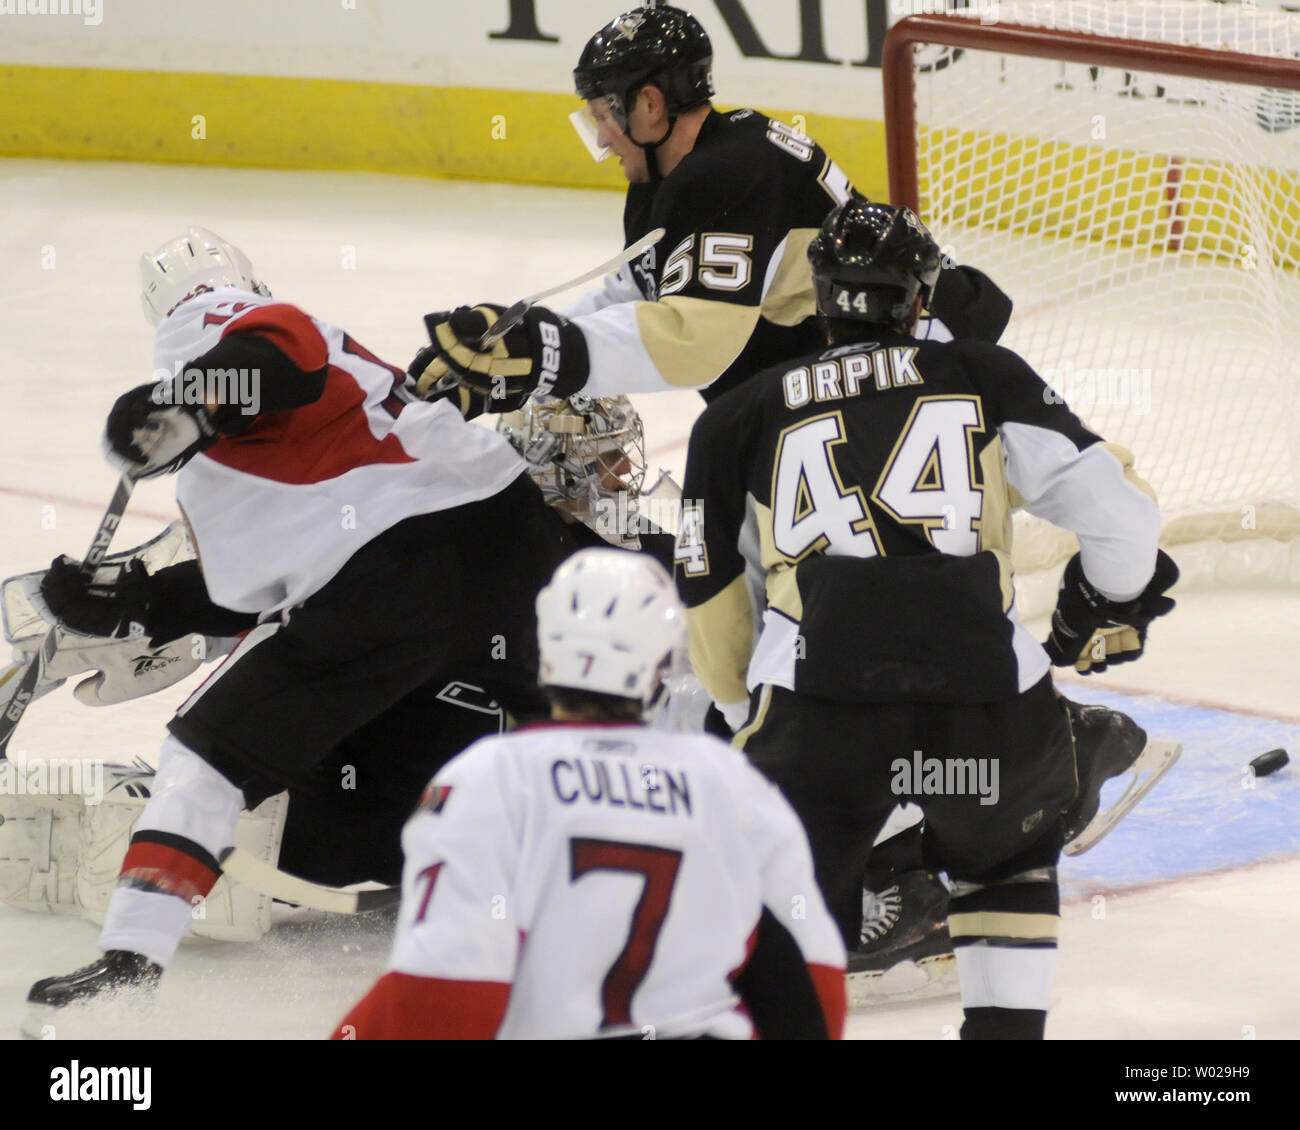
{"type": "Point", "coordinates": [1155, 761]}
{"type": "Point", "coordinates": [926, 979]}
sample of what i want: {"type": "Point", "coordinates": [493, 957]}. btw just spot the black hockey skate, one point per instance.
{"type": "Point", "coordinates": [906, 953]}
{"type": "Point", "coordinates": [1106, 744]}
{"type": "Point", "coordinates": [116, 970]}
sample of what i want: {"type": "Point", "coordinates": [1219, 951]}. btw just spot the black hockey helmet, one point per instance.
{"type": "Point", "coordinates": [871, 261]}
{"type": "Point", "coordinates": [656, 43]}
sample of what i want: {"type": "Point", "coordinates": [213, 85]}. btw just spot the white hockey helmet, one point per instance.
{"type": "Point", "coordinates": [609, 622]}
{"type": "Point", "coordinates": [198, 261]}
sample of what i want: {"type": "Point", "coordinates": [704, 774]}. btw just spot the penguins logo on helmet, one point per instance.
{"type": "Point", "coordinates": [629, 24]}
{"type": "Point", "coordinates": [656, 44]}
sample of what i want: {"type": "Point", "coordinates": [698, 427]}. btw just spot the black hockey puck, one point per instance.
{"type": "Point", "coordinates": [1269, 762]}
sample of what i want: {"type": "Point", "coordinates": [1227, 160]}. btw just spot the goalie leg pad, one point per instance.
{"type": "Point", "coordinates": [39, 846]}
{"type": "Point", "coordinates": [235, 912]}
{"type": "Point", "coordinates": [61, 855]}
{"type": "Point", "coordinates": [231, 912]}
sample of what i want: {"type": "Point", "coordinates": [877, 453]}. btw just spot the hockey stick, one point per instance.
{"type": "Point", "coordinates": [103, 538]}
{"type": "Point", "coordinates": [244, 867]}
{"type": "Point", "coordinates": [513, 315]}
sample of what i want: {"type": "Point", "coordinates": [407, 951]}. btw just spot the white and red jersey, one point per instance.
{"type": "Point", "coordinates": [278, 509]}
{"type": "Point", "coordinates": [579, 881]}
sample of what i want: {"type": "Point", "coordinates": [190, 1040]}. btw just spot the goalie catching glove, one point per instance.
{"type": "Point", "coordinates": [542, 354]}
{"type": "Point", "coordinates": [1090, 631]}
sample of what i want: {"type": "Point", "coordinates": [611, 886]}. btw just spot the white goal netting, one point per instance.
{"type": "Point", "coordinates": [1147, 227]}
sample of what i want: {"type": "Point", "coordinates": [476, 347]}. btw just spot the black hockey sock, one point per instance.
{"type": "Point", "coordinates": [1004, 1024]}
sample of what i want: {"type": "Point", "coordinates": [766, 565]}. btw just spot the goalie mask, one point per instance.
{"type": "Point", "coordinates": [659, 44]}
{"type": "Point", "coordinates": [191, 264]}
{"type": "Point", "coordinates": [588, 457]}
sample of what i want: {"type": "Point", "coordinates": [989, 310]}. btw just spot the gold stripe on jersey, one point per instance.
{"type": "Point", "coordinates": [760, 716]}
{"type": "Point", "coordinates": [721, 636]}
{"type": "Point", "coordinates": [1004, 924]}
{"type": "Point", "coordinates": [1125, 457]}
{"type": "Point", "coordinates": [995, 518]}
{"type": "Point", "coordinates": [692, 340]}
{"type": "Point", "coordinates": [791, 299]}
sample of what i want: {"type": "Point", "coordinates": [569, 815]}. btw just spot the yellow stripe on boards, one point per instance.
{"type": "Point", "coordinates": [297, 123]}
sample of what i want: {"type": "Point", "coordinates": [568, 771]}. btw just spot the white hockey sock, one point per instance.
{"type": "Point", "coordinates": [192, 801]}
{"type": "Point", "coordinates": [1005, 977]}
{"type": "Point", "coordinates": [145, 922]}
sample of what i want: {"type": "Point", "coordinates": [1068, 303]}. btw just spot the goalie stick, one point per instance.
{"type": "Point", "coordinates": [31, 675]}
{"type": "Point", "coordinates": [244, 867]}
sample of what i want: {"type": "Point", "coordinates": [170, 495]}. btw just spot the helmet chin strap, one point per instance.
{"type": "Point", "coordinates": [651, 148]}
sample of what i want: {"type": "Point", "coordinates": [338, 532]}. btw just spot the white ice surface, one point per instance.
{"type": "Point", "coordinates": [1200, 957]}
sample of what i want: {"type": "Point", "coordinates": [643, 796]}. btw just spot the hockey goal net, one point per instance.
{"type": "Point", "coordinates": [1129, 172]}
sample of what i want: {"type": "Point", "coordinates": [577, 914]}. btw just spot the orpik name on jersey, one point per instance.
{"type": "Point", "coordinates": [849, 535]}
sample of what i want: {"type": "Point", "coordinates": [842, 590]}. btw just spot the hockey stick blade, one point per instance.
{"type": "Point", "coordinates": [23, 693]}
{"type": "Point", "coordinates": [243, 867]}
{"type": "Point", "coordinates": [1154, 762]}
{"type": "Point", "coordinates": [513, 315]}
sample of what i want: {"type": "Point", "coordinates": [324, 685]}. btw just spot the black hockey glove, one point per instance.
{"type": "Point", "coordinates": [470, 404]}
{"type": "Point", "coordinates": [1090, 631]}
{"type": "Point", "coordinates": [118, 609]}
{"type": "Point", "coordinates": [543, 354]}
{"type": "Point", "coordinates": [148, 433]}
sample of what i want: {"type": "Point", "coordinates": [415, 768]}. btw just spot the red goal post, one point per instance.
{"type": "Point", "coordinates": [1068, 46]}
{"type": "Point", "coordinates": [1139, 199]}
